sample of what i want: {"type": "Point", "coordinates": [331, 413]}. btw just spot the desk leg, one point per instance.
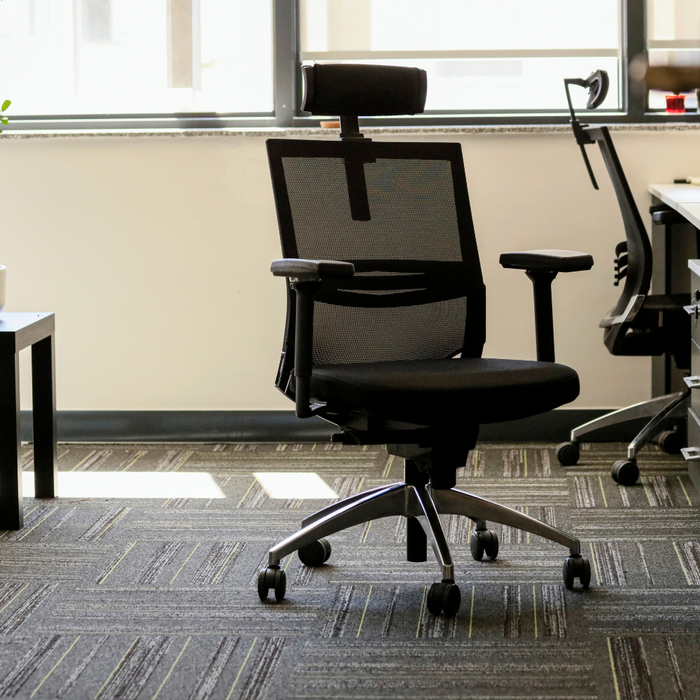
{"type": "Point", "coordinates": [44, 417]}
{"type": "Point", "coordinates": [11, 516]}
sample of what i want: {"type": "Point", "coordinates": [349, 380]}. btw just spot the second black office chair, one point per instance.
{"type": "Point", "coordinates": [640, 323]}
{"type": "Point", "coordinates": [386, 323]}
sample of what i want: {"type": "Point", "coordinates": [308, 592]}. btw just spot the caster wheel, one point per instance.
{"type": "Point", "coordinates": [444, 597]}
{"type": "Point", "coordinates": [625, 472]}
{"type": "Point", "coordinates": [671, 442]}
{"type": "Point", "coordinates": [490, 544]}
{"type": "Point", "coordinates": [483, 542]}
{"type": "Point", "coordinates": [316, 553]}
{"type": "Point", "coordinates": [272, 577]}
{"type": "Point", "coordinates": [568, 454]}
{"type": "Point", "coordinates": [477, 546]}
{"type": "Point", "coordinates": [577, 567]}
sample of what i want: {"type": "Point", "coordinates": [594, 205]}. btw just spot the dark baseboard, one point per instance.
{"type": "Point", "coordinates": [276, 426]}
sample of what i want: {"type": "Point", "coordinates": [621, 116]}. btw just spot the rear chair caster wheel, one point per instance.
{"type": "Point", "coordinates": [483, 542]}
{"type": "Point", "coordinates": [671, 442]}
{"type": "Point", "coordinates": [444, 597]}
{"type": "Point", "coordinates": [577, 567]}
{"type": "Point", "coordinates": [315, 553]}
{"type": "Point", "coordinates": [568, 454]}
{"type": "Point", "coordinates": [272, 577]}
{"type": "Point", "coordinates": [625, 472]}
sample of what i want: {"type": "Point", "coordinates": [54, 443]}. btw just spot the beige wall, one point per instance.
{"type": "Point", "coordinates": [154, 253]}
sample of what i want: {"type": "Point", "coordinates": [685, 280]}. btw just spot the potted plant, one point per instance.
{"type": "Point", "coordinates": [3, 118]}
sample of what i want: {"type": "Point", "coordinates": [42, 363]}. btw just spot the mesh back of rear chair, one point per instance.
{"type": "Point", "coordinates": [639, 252]}
{"type": "Point", "coordinates": [400, 213]}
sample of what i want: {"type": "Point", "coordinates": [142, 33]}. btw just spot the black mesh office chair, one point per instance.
{"type": "Point", "coordinates": [640, 323]}
{"type": "Point", "coordinates": [386, 322]}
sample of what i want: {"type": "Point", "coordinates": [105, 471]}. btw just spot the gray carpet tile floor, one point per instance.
{"type": "Point", "coordinates": [139, 581]}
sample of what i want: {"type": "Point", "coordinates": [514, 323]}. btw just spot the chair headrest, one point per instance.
{"type": "Point", "coordinates": [598, 84]}
{"type": "Point", "coordinates": [363, 90]}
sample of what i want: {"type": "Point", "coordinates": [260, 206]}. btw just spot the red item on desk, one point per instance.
{"type": "Point", "coordinates": [675, 104]}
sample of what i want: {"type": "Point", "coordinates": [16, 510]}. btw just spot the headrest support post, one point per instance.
{"type": "Point", "coordinates": [350, 129]}
{"type": "Point", "coordinates": [597, 84]}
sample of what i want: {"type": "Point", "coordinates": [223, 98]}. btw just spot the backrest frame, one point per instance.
{"type": "Point", "coordinates": [639, 251]}
{"type": "Point", "coordinates": [422, 278]}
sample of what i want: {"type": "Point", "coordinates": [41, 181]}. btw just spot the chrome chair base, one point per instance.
{"type": "Point", "coordinates": [424, 504]}
{"type": "Point", "coordinates": [664, 412]}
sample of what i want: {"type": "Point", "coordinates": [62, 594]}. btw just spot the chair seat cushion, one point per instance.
{"type": "Point", "coordinates": [667, 302]}
{"type": "Point", "coordinates": [429, 392]}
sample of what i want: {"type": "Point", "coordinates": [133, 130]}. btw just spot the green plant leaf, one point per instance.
{"type": "Point", "coordinates": [5, 120]}
{"type": "Point", "coordinates": [5, 105]}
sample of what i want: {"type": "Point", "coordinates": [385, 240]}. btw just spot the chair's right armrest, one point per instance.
{"type": "Point", "coordinates": [542, 266]}
{"type": "Point", "coordinates": [547, 261]}
{"type": "Point", "coordinates": [300, 270]}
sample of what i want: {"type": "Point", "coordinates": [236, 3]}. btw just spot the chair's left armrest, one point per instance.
{"type": "Point", "coordinates": [542, 266]}
{"type": "Point", "coordinates": [299, 270]}
{"type": "Point", "coordinates": [305, 277]}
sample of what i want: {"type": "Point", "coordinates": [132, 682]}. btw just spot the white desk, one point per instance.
{"type": "Point", "coordinates": [671, 255]}
{"type": "Point", "coordinates": [675, 195]}
{"type": "Point", "coordinates": [691, 211]}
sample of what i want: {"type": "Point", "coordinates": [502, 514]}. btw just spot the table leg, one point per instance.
{"type": "Point", "coordinates": [11, 516]}
{"type": "Point", "coordinates": [44, 419]}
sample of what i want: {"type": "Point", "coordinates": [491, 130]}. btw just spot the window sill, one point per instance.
{"type": "Point", "coordinates": [268, 132]}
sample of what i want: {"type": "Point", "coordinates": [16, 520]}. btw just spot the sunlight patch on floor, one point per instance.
{"type": "Point", "coordinates": [130, 485]}
{"type": "Point", "coordinates": [294, 485]}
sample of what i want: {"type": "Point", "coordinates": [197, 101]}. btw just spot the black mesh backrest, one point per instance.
{"type": "Point", "coordinates": [400, 213]}
{"type": "Point", "coordinates": [640, 261]}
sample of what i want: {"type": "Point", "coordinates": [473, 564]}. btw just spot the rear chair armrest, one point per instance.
{"type": "Point", "coordinates": [628, 315]}
{"type": "Point", "coordinates": [542, 266]}
{"type": "Point", "coordinates": [305, 277]}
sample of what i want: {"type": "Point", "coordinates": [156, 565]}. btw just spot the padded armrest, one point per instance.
{"type": "Point", "coordinates": [547, 260]}
{"type": "Point", "coordinates": [311, 270]}
{"type": "Point", "coordinates": [667, 217]}
{"type": "Point", "coordinates": [305, 277]}
{"type": "Point", "coordinates": [542, 267]}
{"type": "Point", "coordinates": [628, 315]}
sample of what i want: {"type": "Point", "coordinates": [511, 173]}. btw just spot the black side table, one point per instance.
{"type": "Point", "coordinates": [19, 331]}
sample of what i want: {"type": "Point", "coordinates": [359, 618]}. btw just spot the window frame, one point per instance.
{"type": "Point", "coordinates": [287, 95]}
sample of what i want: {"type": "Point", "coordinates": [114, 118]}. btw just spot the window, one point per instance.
{"type": "Point", "coordinates": [216, 63]}
{"type": "Point", "coordinates": [80, 57]}
{"type": "Point", "coordinates": [673, 39]}
{"type": "Point", "coordinates": [497, 56]}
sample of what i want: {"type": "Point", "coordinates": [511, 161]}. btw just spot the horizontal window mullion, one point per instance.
{"type": "Point", "coordinates": [142, 116]}
{"type": "Point", "coordinates": [490, 53]}
{"type": "Point", "coordinates": [497, 120]}
{"type": "Point", "coordinates": [675, 44]}
{"type": "Point", "coordinates": [91, 124]}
